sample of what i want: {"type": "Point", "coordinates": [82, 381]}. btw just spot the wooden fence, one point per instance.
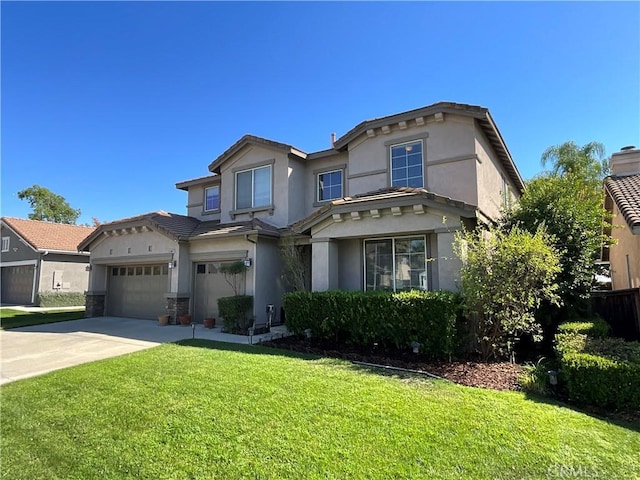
{"type": "Point", "coordinates": [621, 310]}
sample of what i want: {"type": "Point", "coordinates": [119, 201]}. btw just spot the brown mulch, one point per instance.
{"type": "Point", "coordinates": [495, 376]}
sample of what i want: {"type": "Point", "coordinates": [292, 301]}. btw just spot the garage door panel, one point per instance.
{"type": "Point", "coordinates": [17, 284]}
{"type": "Point", "coordinates": [137, 291]}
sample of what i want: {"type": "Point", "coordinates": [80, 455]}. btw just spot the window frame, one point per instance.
{"type": "Point", "coordinates": [204, 202]}
{"type": "Point", "coordinates": [422, 168]}
{"type": "Point", "coordinates": [427, 271]}
{"type": "Point", "coordinates": [7, 240]}
{"type": "Point", "coordinates": [326, 172]}
{"type": "Point", "coordinates": [253, 187]}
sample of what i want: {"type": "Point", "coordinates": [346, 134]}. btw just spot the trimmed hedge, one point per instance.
{"type": "Point", "coordinates": [596, 327]}
{"type": "Point", "coordinates": [392, 320]}
{"type": "Point", "coordinates": [605, 382]}
{"type": "Point", "coordinates": [604, 372]}
{"type": "Point", "coordinates": [236, 313]}
{"type": "Point", "coordinates": [60, 299]}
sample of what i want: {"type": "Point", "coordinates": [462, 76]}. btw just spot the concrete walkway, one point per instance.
{"type": "Point", "coordinates": [30, 351]}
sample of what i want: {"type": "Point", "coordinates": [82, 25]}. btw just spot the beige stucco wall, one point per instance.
{"type": "Point", "coordinates": [297, 190]}
{"type": "Point", "coordinates": [195, 203]}
{"type": "Point", "coordinates": [351, 264]}
{"type": "Point", "coordinates": [269, 287]}
{"type": "Point", "coordinates": [254, 156]}
{"type": "Point", "coordinates": [72, 276]}
{"type": "Point", "coordinates": [491, 173]}
{"type": "Point", "coordinates": [313, 169]}
{"type": "Point", "coordinates": [628, 245]}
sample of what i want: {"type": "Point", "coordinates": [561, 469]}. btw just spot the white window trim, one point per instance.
{"type": "Point", "coordinates": [7, 240]}
{"type": "Point", "coordinates": [391, 147]}
{"type": "Point", "coordinates": [393, 242]}
{"type": "Point", "coordinates": [252, 170]}
{"type": "Point", "coordinates": [318, 184]}
{"type": "Point", "coordinates": [205, 199]}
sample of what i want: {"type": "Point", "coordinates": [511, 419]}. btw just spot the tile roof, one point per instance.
{"type": "Point", "coordinates": [49, 235]}
{"type": "Point", "coordinates": [386, 194]}
{"type": "Point", "coordinates": [181, 227]}
{"type": "Point", "coordinates": [625, 191]}
{"type": "Point", "coordinates": [216, 229]}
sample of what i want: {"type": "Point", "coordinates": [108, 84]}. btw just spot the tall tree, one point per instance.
{"type": "Point", "coordinates": [569, 201]}
{"type": "Point", "coordinates": [48, 206]}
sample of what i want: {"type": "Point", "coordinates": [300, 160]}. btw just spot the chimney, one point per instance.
{"type": "Point", "coordinates": [626, 161]}
{"type": "Point", "coordinates": [333, 139]}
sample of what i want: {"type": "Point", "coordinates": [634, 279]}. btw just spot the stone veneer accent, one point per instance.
{"type": "Point", "coordinates": [177, 304]}
{"type": "Point", "coordinates": [94, 304]}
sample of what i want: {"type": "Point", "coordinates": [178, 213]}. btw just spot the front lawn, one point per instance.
{"type": "Point", "coordinates": [10, 318]}
{"type": "Point", "coordinates": [195, 412]}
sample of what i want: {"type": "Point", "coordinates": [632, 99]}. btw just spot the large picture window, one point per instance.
{"type": "Point", "coordinates": [253, 187]}
{"type": "Point", "coordinates": [406, 165]}
{"type": "Point", "coordinates": [212, 198]}
{"type": "Point", "coordinates": [396, 264]}
{"type": "Point", "coordinates": [329, 185]}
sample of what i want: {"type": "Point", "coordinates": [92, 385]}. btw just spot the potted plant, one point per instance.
{"type": "Point", "coordinates": [163, 320]}
{"type": "Point", "coordinates": [185, 319]}
{"type": "Point", "coordinates": [209, 322]}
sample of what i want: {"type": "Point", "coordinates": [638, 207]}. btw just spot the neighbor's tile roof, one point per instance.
{"type": "Point", "coordinates": [48, 235]}
{"type": "Point", "coordinates": [625, 191]}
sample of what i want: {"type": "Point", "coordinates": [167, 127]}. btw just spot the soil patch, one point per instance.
{"type": "Point", "coordinates": [496, 376]}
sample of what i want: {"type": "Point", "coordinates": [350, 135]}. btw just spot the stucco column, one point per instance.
{"type": "Point", "coordinates": [447, 264]}
{"type": "Point", "coordinates": [324, 264]}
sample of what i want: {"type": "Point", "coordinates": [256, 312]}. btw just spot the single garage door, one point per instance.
{"type": "Point", "coordinates": [210, 285]}
{"type": "Point", "coordinates": [137, 291]}
{"type": "Point", "coordinates": [17, 284]}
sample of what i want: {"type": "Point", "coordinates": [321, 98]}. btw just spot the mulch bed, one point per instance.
{"type": "Point", "coordinates": [496, 376]}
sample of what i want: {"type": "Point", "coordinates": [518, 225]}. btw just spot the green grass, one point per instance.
{"type": "Point", "coordinates": [10, 318]}
{"type": "Point", "coordinates": [195, 412]}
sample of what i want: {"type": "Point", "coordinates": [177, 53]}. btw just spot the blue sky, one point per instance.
{"type": "Point", "coordinates": [110, 104]}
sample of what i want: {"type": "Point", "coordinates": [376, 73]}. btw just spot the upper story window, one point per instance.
{"type": "Point", "coordinates": [5, 244]}
{"type": "Point", "coordinates": [253, 187]}
{"type": "Point", "coordinates": [212, 198]}
{"type": "Point", "coordinates": [329, 185]}
{"type": "Point", "coordinates": [406, 165]}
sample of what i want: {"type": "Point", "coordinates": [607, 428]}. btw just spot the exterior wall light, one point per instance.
{"type": "Point", "coordinates": [247, 262]}
{"type": "Point", "coordinates": [172, 264]}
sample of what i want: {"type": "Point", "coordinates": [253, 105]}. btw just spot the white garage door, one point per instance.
{"type": "Point", "coordinates": [17, 284]}
{"type": "Point", "coordinates": [137, 291]}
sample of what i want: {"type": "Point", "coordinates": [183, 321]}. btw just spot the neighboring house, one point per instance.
{"type": "Point", "coordinates": [622, 191]}
{"type": "Point", "coordinates": [378, 210]}
{"type": "Point", "coordinates": [41, 257]}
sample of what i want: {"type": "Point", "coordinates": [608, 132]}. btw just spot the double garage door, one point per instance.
{"type": "Point", "coordinates": [137, 291]}
{"type": "Point", "coordinates": [17, 284]}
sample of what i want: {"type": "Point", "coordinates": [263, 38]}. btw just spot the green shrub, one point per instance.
{"type": "Point", "coordinates": [596, 327]}
{"type": "Point", "coordinates": [389, 319]}
{"type": "Point", "coordinates": [236, 313]}
{"type": "Point", "coordinates": [60, 299]}
{"type": "Point", "coordinates": [600, 381]}
{"type": "Point", "coordinates": [603, 372]}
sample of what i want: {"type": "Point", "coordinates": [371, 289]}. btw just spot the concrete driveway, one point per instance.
{"type": "Point", "coordinates": [30, 351]}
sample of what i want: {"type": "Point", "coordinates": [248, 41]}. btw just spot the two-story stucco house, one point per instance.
{"type": "Point", "coordinates": [378, 210]}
